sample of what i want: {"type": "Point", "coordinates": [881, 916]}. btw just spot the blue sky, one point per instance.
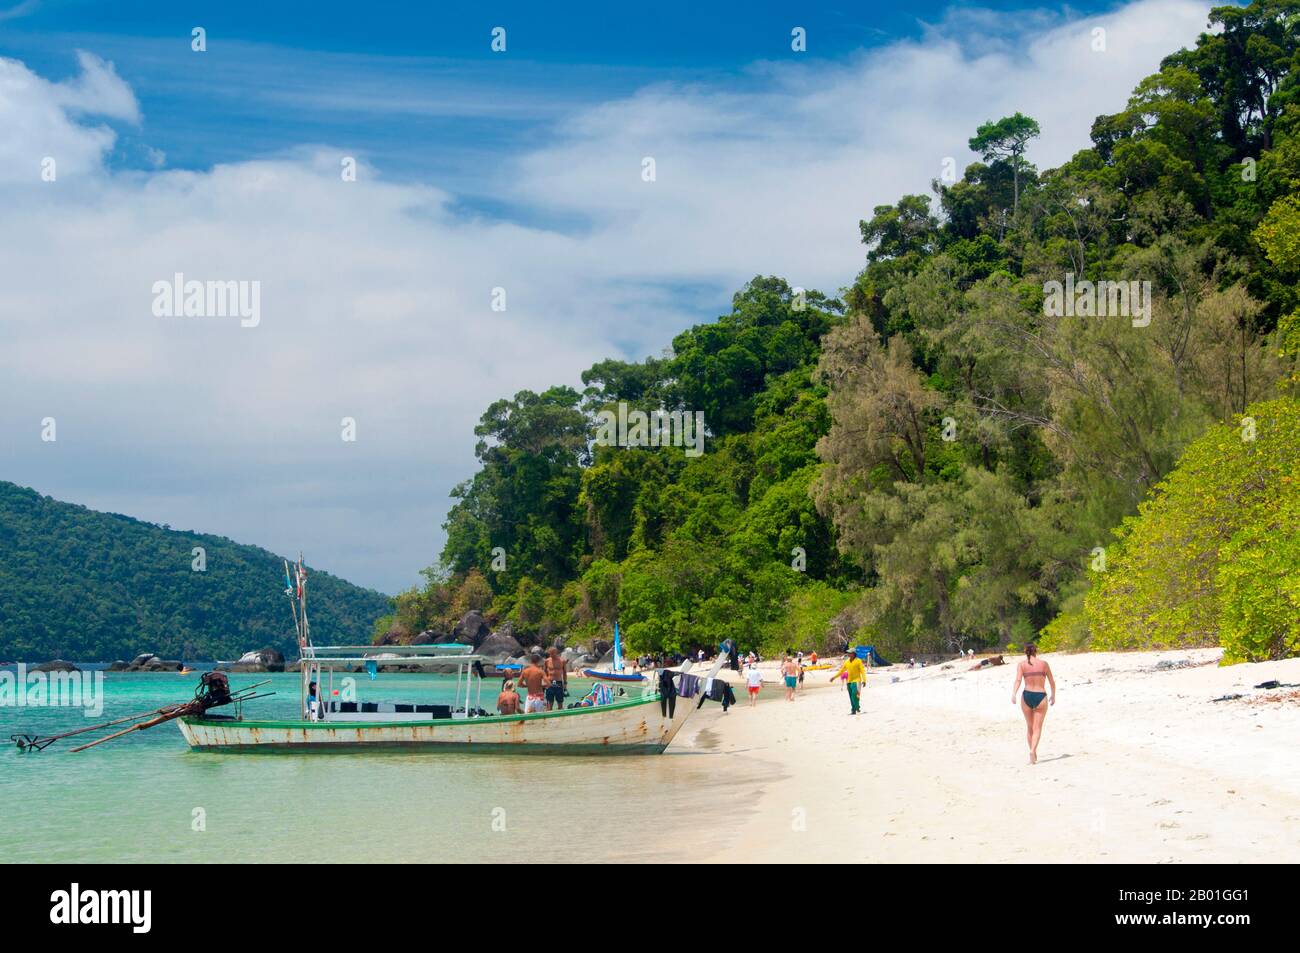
{"type": "Point", "coordinates": [478, 170]}
{"type": "Point", "coordinates": [416, 87]}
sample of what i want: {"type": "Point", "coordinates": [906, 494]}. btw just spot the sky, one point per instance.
{"type": "Point", "coordinates": [128, 157]}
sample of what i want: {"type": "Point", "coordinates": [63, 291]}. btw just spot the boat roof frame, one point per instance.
{"type": "Point", "coordinates": [446, 655]}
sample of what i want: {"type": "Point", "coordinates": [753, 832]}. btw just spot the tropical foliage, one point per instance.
{"type": "Point", "coordinates": [937, 457]}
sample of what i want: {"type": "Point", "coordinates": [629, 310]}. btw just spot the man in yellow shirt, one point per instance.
{"type": "Point", "coordinates": [856, 673]}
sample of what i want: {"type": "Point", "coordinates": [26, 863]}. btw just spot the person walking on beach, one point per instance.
{"type": "Point", "coordinates": [790, 669]}
{"type": "Point", "coordinates": [534, 681]}
{"type": "Point", "coordinates": [508, 700]}
{"type": "Point", "coordinates": [754, 681]}
{"type": "Point", "coordinates": [855, 674]}
{"type": "Point", "coordinates": [557, 679]}
{"type": "Point", "coordinates": [1033, 671]}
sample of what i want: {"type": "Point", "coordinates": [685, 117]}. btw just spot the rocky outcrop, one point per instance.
{"type": "Point", "coordinates": [500, 645]}
{"type": "Point", "coordinates": [430, 637]}
{"type": "Point", "coordinates": [147, 662]}
{"type": "Point", "coordinates": [260, 660]}
{"type": "Point", "coordinates": [156, 664]}
{"type": "Point", "coordinates": [472, 629]}
{"type": "Point", "coordinates": [55, 665]}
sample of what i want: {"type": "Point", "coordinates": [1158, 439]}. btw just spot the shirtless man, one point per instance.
{"type": "Point", "coordinates": [534, 681]}
{"type": "Point", "coordinates": [790, 671]}
{"type": "Point", "coordinates": [557, 678]}
{"type": "Point", "coordinates": [1033, 671]}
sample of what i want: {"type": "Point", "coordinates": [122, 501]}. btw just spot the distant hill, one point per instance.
{"type": "Point", "coordinates": [79, 584]}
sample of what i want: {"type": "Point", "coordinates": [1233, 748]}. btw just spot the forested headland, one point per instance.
{"type": "Point", "coordinates": [89, 586]}
{"type": "Point", "coordinates": [1055, 404]}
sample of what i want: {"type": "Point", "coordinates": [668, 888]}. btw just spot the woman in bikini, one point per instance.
{"type": "Point", "coordinates": [1033, 701]}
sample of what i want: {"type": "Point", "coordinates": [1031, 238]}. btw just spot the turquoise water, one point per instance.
{"type": "Point", "coordinates": [135, 799]}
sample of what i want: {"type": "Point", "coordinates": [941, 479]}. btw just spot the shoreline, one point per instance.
{"type": "Point", "coordinates": [1137, 764]}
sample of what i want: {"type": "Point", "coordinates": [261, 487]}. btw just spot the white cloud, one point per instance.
{"type": "Point", "coordinates": [40, 119]}
{"type": "Point", "coordinates": [375, 295]}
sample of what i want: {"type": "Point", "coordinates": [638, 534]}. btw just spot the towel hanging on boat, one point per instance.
{"type": "Point", "coordinates": [688, 686]}
{"type": "Point", "coordinates": [372, 669]}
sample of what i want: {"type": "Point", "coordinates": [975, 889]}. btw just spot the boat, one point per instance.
{"type": "Point", "coordinates": [616, 673]}
{"type": "Point", "coordinates": [611, 676]}
{"type": "Point", "coordinates": [634, 725]}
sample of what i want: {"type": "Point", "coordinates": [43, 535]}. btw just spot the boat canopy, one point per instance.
{"type": "Point", "coordinates": [330, 655]}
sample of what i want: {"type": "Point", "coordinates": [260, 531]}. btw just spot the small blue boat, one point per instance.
{"type": "Point", "coordinates": [612, 676]}
{"type": "Point", "coordinates": [618, 674]}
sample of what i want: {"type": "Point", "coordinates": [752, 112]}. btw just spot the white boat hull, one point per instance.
{"type": "Point", "coordinates": [637, 726]}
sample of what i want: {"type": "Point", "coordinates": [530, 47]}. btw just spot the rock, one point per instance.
{"type": "Point", "coordinates": [141, 660]}
{"type": "Point", "coordinates": [393, 636]}
{"type": "Point", "coordinates": [600, 647]}
{"type": "Point", "coordinates": [266, 659]}
{"type": "Point", "coordinates": [429, 637]}
{"type": "Point", "coordinates": [499, 645]}
{"type": "Point", "coordinates": [606, 659]}
{"type": "Point", "coordinates": [444, 639]}
{"type": "Point", "coordinates": [55, 665]}
{"type": "Point", "coordinates": [560, 641]}
{"type": "Point", "coordinates": [118, 666]}
{"type": "Point", "coordinates": [472, 629]}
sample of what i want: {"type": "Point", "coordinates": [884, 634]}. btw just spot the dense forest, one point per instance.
{"type": "Point", "coordinates": [91, 586]}
{"type": "Point", "coordinates": [949, 453]}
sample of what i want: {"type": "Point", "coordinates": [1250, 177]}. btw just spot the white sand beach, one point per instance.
{"type": "Point", "coordinates": [1136, 764]}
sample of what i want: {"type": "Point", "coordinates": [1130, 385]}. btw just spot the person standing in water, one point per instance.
{"type": "Point", "coordinates": [790, 671]}
{"type": "Point", "coordinates": [534, 681]}
{"type": "Point", "coordinates": [1033, 671]}
{"type": "Point", "coordinates": [557, 678]}
{"type": "Point", "coordinates": [508, 700]}
{"type": "Point", "coordinates": [754, 681]}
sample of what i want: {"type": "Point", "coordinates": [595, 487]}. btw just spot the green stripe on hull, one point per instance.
{"type": "Point", "coordinates": [407, 746]}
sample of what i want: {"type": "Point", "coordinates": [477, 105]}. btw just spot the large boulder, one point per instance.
{"type": "Point", "coordinates": [141, 660]}
{"type": "Point", "coordinates": [579, 661]}
{"type": "Point", "coordinates": [259, 660]}
{"type": "Point", "coordinates": [118, 666]}
{"type": "Point", "coordinates": [430, 637]}
{"type": "Point", "coordinates": [500, 645]}
{"type": "Point", "coordinates": [600, 647]}
{"type": "Point", "coordinates": [396, 635]}
{"type": "Point", "coordinates": [55, 665]}
{"type": "Point", "coordinates": [472, 629]}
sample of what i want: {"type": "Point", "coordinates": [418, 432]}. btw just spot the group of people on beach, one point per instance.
{"type": "Point", "coordinates": [1033, 672]}
{"type": "Point", "coordinates": [545, 683]}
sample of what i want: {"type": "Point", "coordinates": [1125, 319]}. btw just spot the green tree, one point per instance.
{"type": "Point", "coordinates": [1005, 141]}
